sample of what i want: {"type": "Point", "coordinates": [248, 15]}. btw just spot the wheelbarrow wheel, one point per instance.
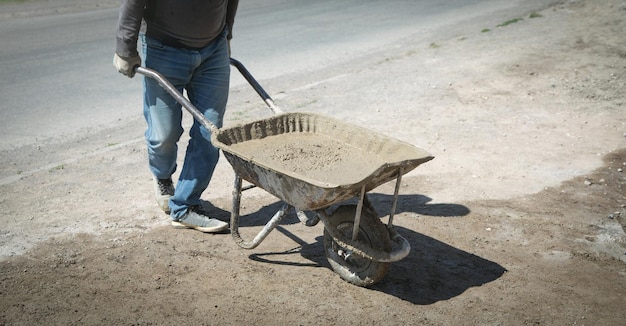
{"type": "Point", "coordinates": [352, 267]}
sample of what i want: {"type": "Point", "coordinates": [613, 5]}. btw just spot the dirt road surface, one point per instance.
{"type": "Point", "coordinates": [519, 219]}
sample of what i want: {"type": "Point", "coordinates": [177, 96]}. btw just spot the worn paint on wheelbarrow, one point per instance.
{"type": "Point", "coordinates": [299, 190]}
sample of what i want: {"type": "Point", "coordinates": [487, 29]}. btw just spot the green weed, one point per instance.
{"type": "Point", "coordinates": [58, 168]}
{"type": "Point", "coordinates": [511, 21]}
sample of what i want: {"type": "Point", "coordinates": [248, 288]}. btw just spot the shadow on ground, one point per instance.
{"type": "Point", "coordinates": [433, 271]}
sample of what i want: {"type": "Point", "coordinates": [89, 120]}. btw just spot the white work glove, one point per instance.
{"type": "Point", "coordinates": [126, 65]}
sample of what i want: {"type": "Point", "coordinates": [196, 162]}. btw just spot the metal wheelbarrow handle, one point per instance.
{"type": "Point", "coordinates": [163, 82]}
{"type": "Point", "coordinates": [257, 87]}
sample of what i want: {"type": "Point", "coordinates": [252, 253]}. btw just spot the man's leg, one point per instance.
{"type": "Point", "coordinates": [208, 91]}
{"type": "Point", "coordinates": [163, 115]}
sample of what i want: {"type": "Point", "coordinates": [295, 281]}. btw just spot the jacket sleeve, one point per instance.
{"type": "Point", "coordinates": [129, 23]}
{"type": "Point", "coordinates": [231, 11]}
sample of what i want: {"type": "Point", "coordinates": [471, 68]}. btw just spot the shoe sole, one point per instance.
{"type": "Point", "coordinates": [205, 229]}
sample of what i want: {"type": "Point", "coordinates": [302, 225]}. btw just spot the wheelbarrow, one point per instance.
{"type": "Point", "coordinates": [314, 163]}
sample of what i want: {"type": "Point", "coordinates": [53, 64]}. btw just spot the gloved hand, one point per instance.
{"type": "Point", "coordinates": [126, 65]}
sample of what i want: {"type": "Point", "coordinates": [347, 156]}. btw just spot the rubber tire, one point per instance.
{"type": "Point", "coordinates": [373, 233]}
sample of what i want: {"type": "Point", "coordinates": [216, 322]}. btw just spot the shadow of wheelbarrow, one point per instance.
{"type": "Point", "coordinates": [433, 271]}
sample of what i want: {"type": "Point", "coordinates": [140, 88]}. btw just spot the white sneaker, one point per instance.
{"type": "Point", "coordinates": [197, 220]}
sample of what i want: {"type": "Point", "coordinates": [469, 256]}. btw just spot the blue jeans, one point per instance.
{"type": "Point", "coordinates": [205, 75]}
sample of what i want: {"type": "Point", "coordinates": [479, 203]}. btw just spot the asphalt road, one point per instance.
{"type": "Point", "coordinates": [58, 80]}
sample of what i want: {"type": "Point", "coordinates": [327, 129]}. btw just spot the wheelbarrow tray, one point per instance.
{"type": "Point", "coordinates": [311, 161]}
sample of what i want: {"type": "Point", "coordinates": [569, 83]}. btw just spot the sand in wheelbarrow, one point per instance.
{"type": "Point", "coordinates": [314, 156]}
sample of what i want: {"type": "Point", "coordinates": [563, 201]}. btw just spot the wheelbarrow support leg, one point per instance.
{"type": "Point", "coordinates": [357, 217]}
{"type": "Point", "coordinates": [234, 220]}
{"type": "Point", "coordinates": [395, 197]}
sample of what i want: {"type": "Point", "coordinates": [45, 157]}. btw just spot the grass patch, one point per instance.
{"type": "Point", "coordinates": [511, 21]}
{"type": "Point", "coordinates": [58, 168]}
{"type": "Point", "coordinates": [434, 45]}
{"type": "Point", "coordinates": [485, 30]}
{"type": "Point", "coordinates": [535, 15]}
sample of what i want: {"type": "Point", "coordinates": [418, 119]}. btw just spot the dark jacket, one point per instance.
{"type": "Point", "coordinates": [180, 23]}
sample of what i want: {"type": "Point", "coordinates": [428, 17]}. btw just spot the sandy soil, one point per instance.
{"type": "Point", "coordinates": [518, 220]}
